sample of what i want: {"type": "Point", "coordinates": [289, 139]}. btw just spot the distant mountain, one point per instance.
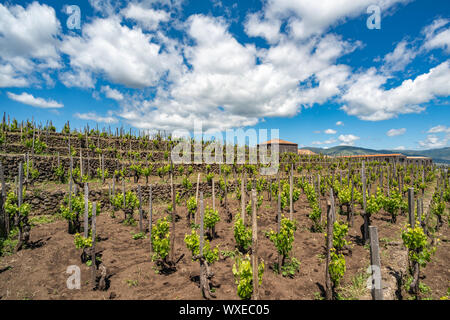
{"type": "Point", "coordinates": [438, 155]}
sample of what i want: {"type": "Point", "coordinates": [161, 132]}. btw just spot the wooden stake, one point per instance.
{"type": "Point", "coordinates": [243, 198]}
{"type": "Point", "coordinates": [412, 218]}
{"type": "Point", "coordinates": [172, 234]}
{"type": "Point", "coordinates": [3, 197]}
{"type": "Point", "coordinates": [254, 247]}
{"type": "Point", "coordinates": [291, 190]}
{"type": "Point", "coordinates": [150, 219]}
{"type": "Point", "coordinates": [93, 258]}
{"type": "Point", "coordinates": [377, 288]}
{"type": "Point", "coordinates": [330, 214]}
{"type": "Point", "coordinates": [141, 226]}
{"type": "Point", "coordinates": [213, 195]}
{"type": "Point", "coordinates": [86, 210]}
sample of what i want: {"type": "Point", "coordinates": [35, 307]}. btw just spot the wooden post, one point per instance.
{"type": "Point", "coordinates": [28, 167]}
{"type": "Point", "coordinates": [226, 192]}
{"type": "Point", "coordinates": [3, 197]}
{"type": "Point", "coordinates": [351, 217]}
{"type": "Point", "coordinates": [150, 219]}
{"type": "Point", "coordinates": [375, 262]}
{"type": "Point", "coordinates": [419, 210]}
{"type": "Point", "coordinates": [388, 181]}
{"type": "Point", "coordinates": [93, 258]}
{"type": "Point", "coordinates": [291, 190]}
{"type": "Point", "coordinates": [254, 247]}
{"type": "Point", "coordinates": [205, 274]}
{"type": "Point", "coordinates": [213, 195]}
{"type": "Point", "coordinates": [86, 210]}
{"type": "Point", "coordinates": [365, 215]}
{"type": "Point", "coordinates": [202, 214]}
{"type": "Point", "coordinates": [103, 168]}
{"type": "Point", "coordinates": [81, 164]}
{"type": "Point", "coordinates": [123, 194]}
{"type": "Point", "coordinates": [328, 284]}
{"type": "Point", "coordinates": [20, 188]}
{"type": "Point", "coordinates": [141, 225]}
{"type": "Point", "coordinates": [172, 234]}
{"type": "Point", "coordinates": [243, 198]}
{"type": "Point", "coordinates": [196, 193]}
{"type": "Point", "coordinates": [412, 218]}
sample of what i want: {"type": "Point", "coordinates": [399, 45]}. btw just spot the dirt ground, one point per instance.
{"type": "Point", "coordinates": [40, 272]}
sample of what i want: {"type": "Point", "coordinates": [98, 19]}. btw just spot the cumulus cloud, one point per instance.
{"type": "Point", "coordinates": [10, 78]}
{"type": "Point", "coordinates": [92, 116]}
{"type": "Point", "coordinates": [209, 75]}
{"type": "Point", "coordinates": [396, 132]}
{"type": "Point", "coordinates": [348, 139]}
{"type": "Point", "coordinates": [368, 100]}
{"type": "Point", "coordinates": [29, 99]}
{"type": "Point", "coordinates": [28, 42]}
{"type": "Point", "coordinates": [437, 35]}
{"type": "Point", "coordinates": [439, 129]}
{"type": "Point", "coordinates": [434, 142]}
{"type": "Point", "coordinates": [330, 141]}
{"type": "Point", "coordinates": [147, 18]}
{"type": "Point", "coordinates": [255, 26]}
{"type": "Point", "coordinates": [398, 59]}
{"type": "Point", "coordinates": [225, 81]}
{"type": "Point", "coordinates": [306, 18]}
{"type": "Point", "coordinates": [125, 56]}
{"type": "Point", "coordinates": [112, 93]}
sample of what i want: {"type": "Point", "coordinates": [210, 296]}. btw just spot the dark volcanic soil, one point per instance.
{"type": "Point", "coordinates": [40, 273]}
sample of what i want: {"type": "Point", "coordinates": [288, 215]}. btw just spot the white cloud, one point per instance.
{"type": "Point", "coordinates": [437, 36]}
{"type": "Point", "coordinates": [10, 78]}
{"type": "Point", "coordinates": [112, 93]}
{"type": "Point", "coordinates": [400, 148]}
{"type": "Point", "coordinates": [340, 123]}
{"type": "Point", "coordinates": [330, 141]}
{"type": "Point", "coordinates": [78, 78]}
{"type": "Point", "coordinates": [125, 56]}
{"type": "Point", "coordinates": [439, 129]}
{"type": "Point", "coordinates": [306, 18]}
{"type": "Point", "coordinates": [226, 87]}
{"type": "Point", "coordinates": [434, 142]}
{"type": "Point", "coordinates": [148, 19]}
{"type": "Point", "coordinates": [255, 26]}
{"type": "Point", "coordinates": [348, 139]}
{"type": "Point", "coordinates": [105, 7]}
{"type": "Point", "coordinates": [28, 43]}
{"type": "Point", "coordinates": [92, 116]}
{"type": "Point", "coordinates": [330, 131]}
{"type": "Point", "coordinates": [367, 100]}
{"type": "Point", "coordinates": [29, 99]}
{"type": "Point", "coordinates": [399, 58]}
{"type": "Point", "coordinates": [396, 132]}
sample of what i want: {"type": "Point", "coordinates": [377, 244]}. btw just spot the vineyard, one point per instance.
{"type": "Point", "coordinates": [139, 226]}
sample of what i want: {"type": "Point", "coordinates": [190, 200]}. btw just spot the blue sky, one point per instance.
{"type": "Point", "coordinates": [311, 69]}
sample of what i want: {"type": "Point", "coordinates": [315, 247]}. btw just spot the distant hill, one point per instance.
{"type": "Point", "coordinates": [438, 155]}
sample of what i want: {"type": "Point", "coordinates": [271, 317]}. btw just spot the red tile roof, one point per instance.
{"type": "Point", "coordinates": [279, 141]}
{"type": "Point", "coordinates": [373, 155]}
